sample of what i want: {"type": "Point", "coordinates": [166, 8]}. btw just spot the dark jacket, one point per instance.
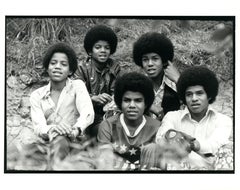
{"type": "Point", "coordinates": [170, 100]}
{"type": "Point", "coordinates": [98, 82]}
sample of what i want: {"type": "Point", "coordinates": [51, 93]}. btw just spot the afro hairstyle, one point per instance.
{"type": "Point", "coordinates": [100, 32]}
{"type": "Point", "coordinates": [153, 42]}
{"type": "Point", "coordinates": [61, 48]}
{"type": "Point", "coordinates": [135, 82]}
{"type": "Point", "coordinates": [198, 75]}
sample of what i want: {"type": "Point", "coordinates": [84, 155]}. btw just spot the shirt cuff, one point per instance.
{"type": "Point", "coordinates": [42, 130]}
{"type": "Point", "coordinates": [205, 147]}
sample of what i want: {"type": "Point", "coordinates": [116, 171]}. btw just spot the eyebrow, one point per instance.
{"type": "Point", "coordinates": [189, 91]}
{"type": "Point", "coordinates": [127, 98]}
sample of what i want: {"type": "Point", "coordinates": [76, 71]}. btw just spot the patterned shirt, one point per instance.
{"type": "Point", "coordinates": [166, 97]}
{"type": "Point", "coordinates": [74, 107]}
{"type": "Point", "coordinates": [114, 132]}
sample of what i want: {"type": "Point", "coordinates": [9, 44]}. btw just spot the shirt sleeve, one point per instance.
{"type": "Point", "coordinates": [116, 72]}
{"type": "Point", "coordinates": [167, 123]}
{"type": "Point", "coordinates": [79, 74]}
{"type": "Point", "coordinates": [104, 134]}
{"type": "Point", "coordinates": [219, 137]}
{"type": "Point", "coordinates": [84, 106]}
{"type": "Point", "coordinates": [38, 119]}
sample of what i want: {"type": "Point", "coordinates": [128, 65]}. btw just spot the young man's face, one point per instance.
{"type": "Point", "coordinates": [101, 51]}
{"type": "Point", "coordinates": [197, 101]}
{"type": "Point", "coordinates": [58, 68]}
{"type": "Point", "coordinates": [133, 106]}
{"type": "Point", "coordinates": [152, 64]}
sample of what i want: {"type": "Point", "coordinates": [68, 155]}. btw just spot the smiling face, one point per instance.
{"type": "Point", "coordinates": [133, 106]}
{"type": "Point", "coordinates": [152, 64]}
{"type": "Point", "coordinates": [100, 51]}
{"type": "Point", "coordinates": [197, 101]}
{"type": "Point", "coordinates": [58, 68]}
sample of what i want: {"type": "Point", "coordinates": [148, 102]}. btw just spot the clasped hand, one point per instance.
{"type": "Point", "coordinates": [102, 99]}
{"type": "Point", "coordinates": [62, 129]}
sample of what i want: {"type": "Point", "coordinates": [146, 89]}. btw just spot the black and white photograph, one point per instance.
{"type": "Point", "coordinates": [119, 94]}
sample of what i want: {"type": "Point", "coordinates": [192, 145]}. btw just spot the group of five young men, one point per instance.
{"type": "Point", "coordinates": [151, 115]}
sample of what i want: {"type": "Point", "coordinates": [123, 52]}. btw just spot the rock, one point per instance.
{"type": "Point", "coordinates": [24, 107]}
{"type": "Point", "coordinates": [12, 82]}
{"type": "Point", "coordinates": [29, 77]}
{"type": "Point", "coordinates": [24, 112]}
{"type": "Point", "coordinates": [26, 78]}
{"type": "Point", "coordinates": [14, 131]}
{"type": "Point", "coordinates": [27, 136]}
{"type": "Point", "coordinates": [16, 121]}
{"type": "Point", "coordinates": [25, 101]}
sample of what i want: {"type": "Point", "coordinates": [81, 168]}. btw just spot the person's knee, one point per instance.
{"type": "Point", "coordinates": [61, 147]}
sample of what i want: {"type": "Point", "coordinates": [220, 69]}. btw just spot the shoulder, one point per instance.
{"type": "Point", "coordinates": [174, 114]}
{"type": "Point", "coordinates": [84, 65]}
{"type": "Point", "coordinates": [114, 66]}
{"type": "Point", "coordinates": [38, 93]}
{"type": "Point", "coordinates": [78, 86]}
{"type": "Point", "coordinates": [108, 123]}
{"type": "Point", "coordinates": [153, 123]}
{"type": "Point", "coordinates": [113, 119]}
{"type": "Point", "coordinates": [222, 118]}
{"type": "Point", "coordinates": [77, 83]}
{"type": "Point", "coordinates": [151, 120]}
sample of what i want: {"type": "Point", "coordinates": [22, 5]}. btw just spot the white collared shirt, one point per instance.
{"type": "Point", "coordinates": [74, 107]}
{"type": "Point", "coordinates": [212, 131]}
